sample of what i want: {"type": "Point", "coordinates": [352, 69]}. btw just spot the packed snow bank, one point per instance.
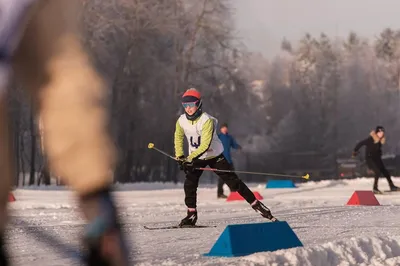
{"type": "Point", "coordinates": [354, 251]}
{"type": "Point", "coordinates": [347, 182]}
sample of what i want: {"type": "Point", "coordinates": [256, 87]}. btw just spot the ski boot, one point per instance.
{"type": "Point", "coordinates": [259, 207]}
{"type": "Point", "coordinates": [190, 219]}
{"type": "Point", "coordinates": [222, 196]}
{"type": "Point", "coordinates": [394, 188]}
{"type": "Point", "coordinates": [103, 235]}
{"type": "Point", "coordinates": [375, 190]}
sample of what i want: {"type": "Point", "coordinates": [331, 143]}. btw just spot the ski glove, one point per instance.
{"type": "Point", "coordinates": [188, 166]}
{"type": "Point", "coordinates": [185, 164]}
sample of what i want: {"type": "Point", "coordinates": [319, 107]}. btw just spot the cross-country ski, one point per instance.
{"type": "Point", "coordinates": [178, 227]}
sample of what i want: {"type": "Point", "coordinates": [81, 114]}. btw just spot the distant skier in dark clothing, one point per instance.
{"type": "Point", "coordinates": [228, 142]}
{"type": "Point", "coordinates": [373, 153]}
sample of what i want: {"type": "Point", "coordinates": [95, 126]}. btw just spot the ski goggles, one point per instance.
{"type": "Point", "coordinates": [190, 104]}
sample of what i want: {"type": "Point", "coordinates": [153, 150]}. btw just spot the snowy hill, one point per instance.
{"type": "Point", "coordinates": [332, 233]}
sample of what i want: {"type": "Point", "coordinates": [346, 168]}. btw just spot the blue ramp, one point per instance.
{"type": "Point", "coordinates": [280, 184]}
{"type": "Point", "coordinates": [245, 239]}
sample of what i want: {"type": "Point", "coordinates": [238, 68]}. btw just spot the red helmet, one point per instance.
{"type": "Point", "coordinates": [192, 97]}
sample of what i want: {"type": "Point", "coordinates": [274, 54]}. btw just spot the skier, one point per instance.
{"type": "Point", "coordinates": [228, 142]}
{"type": "Point", "coordinates": [373, 153]}
{"type": "Point", "coordinates": [205, 148]}
{"type": "Point", "coordinates": [40, 45]}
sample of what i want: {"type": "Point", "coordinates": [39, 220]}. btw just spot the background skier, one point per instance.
{"type": "Point", "coordinates": [228, 142]}
{"type": "Point", "coordinates": [373, 153]}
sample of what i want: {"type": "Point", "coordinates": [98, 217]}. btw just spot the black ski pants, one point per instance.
{"type": "Point", "coordinates": [231, 179]}
{"type": "Point", "coordinates": [377, 166]}
{"type": "Point", "coordinates": [220, 189]}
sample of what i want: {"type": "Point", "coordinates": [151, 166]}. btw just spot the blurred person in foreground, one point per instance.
{"type": "Point", "coordinates": [40, 47]}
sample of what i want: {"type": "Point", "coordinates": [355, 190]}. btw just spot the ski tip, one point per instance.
{"type": "Point", "coordinates": [150, 145]}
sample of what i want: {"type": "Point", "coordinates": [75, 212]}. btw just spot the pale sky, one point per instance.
{"type": "Point", "coordinates": [263, 23]}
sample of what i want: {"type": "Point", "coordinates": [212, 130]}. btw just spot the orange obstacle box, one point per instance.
{"type": "Point", "coordinates": [11, 197]}
{"type": "Point", "coordinates": [363, 198]}
{"type": "Point", "coordinates": [236, 196]}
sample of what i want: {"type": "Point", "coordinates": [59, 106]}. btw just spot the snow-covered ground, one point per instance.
{"type": "Point", "coordinates": [44, 225]}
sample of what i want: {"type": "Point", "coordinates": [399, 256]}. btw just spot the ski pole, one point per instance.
{"type": "Point", "coordinates": [152, 146]}
{"type": "Point", "coordinates": [307, 176]}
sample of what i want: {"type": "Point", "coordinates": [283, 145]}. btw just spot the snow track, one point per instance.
{"type": "Point", "coordinates": [45, 226]}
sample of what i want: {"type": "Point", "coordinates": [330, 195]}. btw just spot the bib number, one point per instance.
{"type": "Point", "coordinates": [195, 144]}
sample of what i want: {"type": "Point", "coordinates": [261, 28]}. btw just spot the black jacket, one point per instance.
{"type": "Point", "coordinates": [373, 146]}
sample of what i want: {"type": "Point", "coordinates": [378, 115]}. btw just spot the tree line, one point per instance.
{"type": "Point", "coordinates": [318, 96]}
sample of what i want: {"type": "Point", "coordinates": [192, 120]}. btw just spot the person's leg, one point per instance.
{"type": "Point", "coordinates": [386, 174]}
{"type": "Point", "coordinates": [372, 165]}
{"type": "Point", "coordinates": [69, 94]}
{"type": "Point", "coordinates": [220, 189]}
{"type": "Point", "coordinates": [232, 167]}
{"type": "Point", "coordinates": [235, 184]}
{"type": "Point", "coordinates": [231, 179]}
{"type": "Point", "coordinates": [190, 187]}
